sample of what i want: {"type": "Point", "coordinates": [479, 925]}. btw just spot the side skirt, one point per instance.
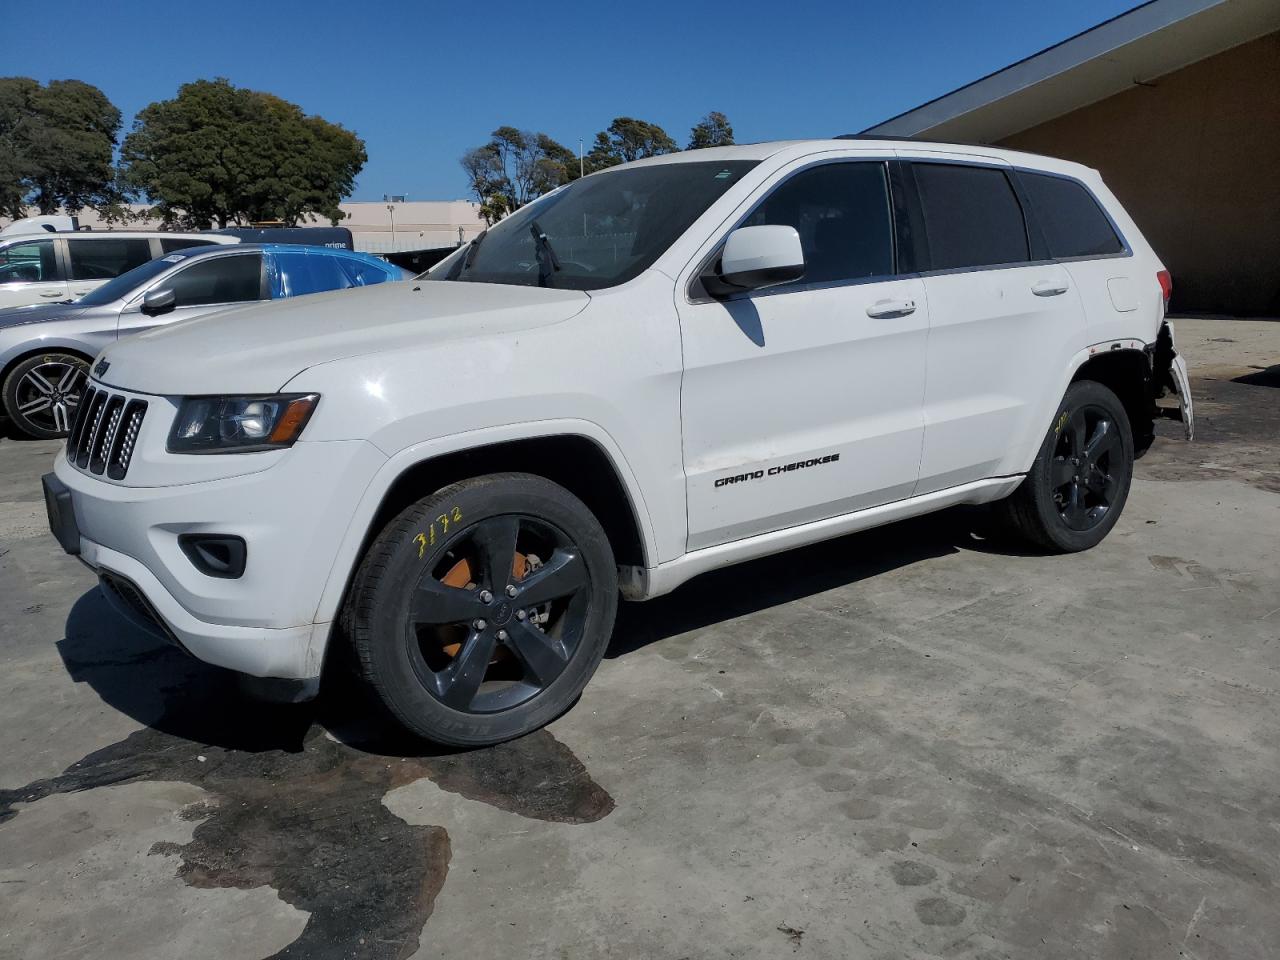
{"type": "Point", "coordinates": [641, 583]}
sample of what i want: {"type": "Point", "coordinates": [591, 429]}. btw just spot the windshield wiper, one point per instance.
{"type": "Point", "coordinates": [465, 261]}
{"type": "Point", "coordinates": [548, 262]}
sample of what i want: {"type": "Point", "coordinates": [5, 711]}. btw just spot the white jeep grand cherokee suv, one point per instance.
{"type": "Point", "coordinates": [662, 368]}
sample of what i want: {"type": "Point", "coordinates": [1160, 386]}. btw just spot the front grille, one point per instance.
{"type": "Point", "coordinates": [105, 433]}
{"type": "Point", "coordinates": [128, 594]}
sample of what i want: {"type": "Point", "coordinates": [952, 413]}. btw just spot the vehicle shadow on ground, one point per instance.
{"type": "Point", "coordinates": [8, 431]}
{"type": "Point", "coordinates": [785, 577]}
{"type": "Point", "coordinates": [295, 792]}
{"type": "Point", "coordinates": [1269, 377]}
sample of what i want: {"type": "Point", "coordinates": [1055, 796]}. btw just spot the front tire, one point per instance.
{"type": "Point", "coordinates": [41, 394]}
{"type": "Point", "coordinates": [1078, 485]}
{"type": "Point", "coordinates": [481, 611]}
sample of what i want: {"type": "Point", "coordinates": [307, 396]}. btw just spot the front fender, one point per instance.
{"type": "Point", "coordinates": [411, 456]}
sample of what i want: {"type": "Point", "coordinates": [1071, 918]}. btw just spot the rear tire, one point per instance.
{"type": "Point", "coordinates": [1078, 485]}
{"type": "Point", "coordinates": [481, 611]}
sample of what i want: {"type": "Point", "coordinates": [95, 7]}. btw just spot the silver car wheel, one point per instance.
{"type": "Point", "coordinates": [48, 394]}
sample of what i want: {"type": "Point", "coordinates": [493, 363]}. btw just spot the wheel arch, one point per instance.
{"type": "Point", "coordinates": [1126, 372]}
{"type": "Point", "coordinates": [13, 361]}
{"type": "Point", "coordinates": [581, 463]}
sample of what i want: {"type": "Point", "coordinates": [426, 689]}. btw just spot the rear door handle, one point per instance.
{"type": "Point", "coordinates": [1049, 288]}
{"type": "Point", "coordinates": [891, 308]}
{"type": "Point", "coordinates": [55, 294]}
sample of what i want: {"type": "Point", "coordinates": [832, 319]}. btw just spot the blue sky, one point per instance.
{"type": "Point", "coordinates": [423, 82]}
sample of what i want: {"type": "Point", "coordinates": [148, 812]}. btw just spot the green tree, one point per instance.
{"type": "Point", "coordinates": [221, 154]}
{"type": "Point", "coordinates": [713, 130]}
{"type": "Point", "coordinates": [628, 139]}
{"type": "Point", "coordinates": [515, 167]}
{"type": "Point", "coordinates": [56, 145]}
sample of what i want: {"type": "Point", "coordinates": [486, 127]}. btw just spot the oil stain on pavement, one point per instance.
{"type": "Point", "coordinates": [296, 793]}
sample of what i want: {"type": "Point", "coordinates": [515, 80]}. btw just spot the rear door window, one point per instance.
{"type": "Point", "coordinates": [363, 273]}
{"type": "Point", "coordinates": [32, 261]}
{"type": "Point", "coordinates": [302, 273]}
{"type": "Point", "coordinates": [106, 259]}
{"type": "Point", "coordinates": [843, 215]}
{"type": "Point", "coordinates": [972, 217]}
{"type": "Point", "coordinates": [1070, 218]}
{"type": "Point", "coordinates": [234, 279]}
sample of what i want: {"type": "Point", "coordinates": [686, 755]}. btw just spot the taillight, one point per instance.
{"type": "Point", "coordinates": [1166, 286]}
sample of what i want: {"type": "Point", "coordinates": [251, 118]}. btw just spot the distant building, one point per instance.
{"type": "Point", "coordinates": [1177, 103]}
{"type": "Point", "coordinates": [418, 224]}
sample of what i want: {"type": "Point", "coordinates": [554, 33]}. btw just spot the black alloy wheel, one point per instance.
{"type": "Point", "coordinates": [1088, 466]}
{"type": "Point", "coordinates": [480, 612]}
{"type": "Point", "coordinates": [498, 617]}
{"type": "Point", "coordinates": [1075, 490]}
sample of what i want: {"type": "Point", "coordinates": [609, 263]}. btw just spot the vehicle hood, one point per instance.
{"type": "Point", "coordinates": [39, 313]}
{"type": "Point", "coordinates": [259, 348]}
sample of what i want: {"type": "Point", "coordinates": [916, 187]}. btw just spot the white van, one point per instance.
{"type": "Point", "coordinates": [49, 267]}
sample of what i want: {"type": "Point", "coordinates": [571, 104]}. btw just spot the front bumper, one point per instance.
{"type": "Point", "coordinates": [292, 516]}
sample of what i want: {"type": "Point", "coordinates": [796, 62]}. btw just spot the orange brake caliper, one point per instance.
{"type": "Point", "coordinates": [459, 575]}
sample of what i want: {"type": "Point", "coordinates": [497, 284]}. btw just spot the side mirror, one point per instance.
{"type": "Point", "coordinates": [758, 257]}
{"type": "Point", "coordinates": [156, 302]}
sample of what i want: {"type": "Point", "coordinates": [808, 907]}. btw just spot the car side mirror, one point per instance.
{"type": "Point", "coordinates": [758, 257]}
{"type": "Point", "coordinates": [156, 302]}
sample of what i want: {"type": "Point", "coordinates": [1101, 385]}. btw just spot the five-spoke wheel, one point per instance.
{"type": "Point", "coordinates": [499, 615]}
{"type": "Point", "coordinates": [481, 611]}
{"type": "Point", "coordinates": [1077, 486]}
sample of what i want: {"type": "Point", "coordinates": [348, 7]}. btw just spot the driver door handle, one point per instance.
{"type": "Point", "coordinates": [1049, 288]}
{"type": "Point", "coordinates": [891, 308]}
{"type": "Point", "coordinates": [54, 294]}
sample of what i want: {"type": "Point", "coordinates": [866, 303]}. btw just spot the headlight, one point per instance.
{"type": "Point", "coordinates": [240, 424]}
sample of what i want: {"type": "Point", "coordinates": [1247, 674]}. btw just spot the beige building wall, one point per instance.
{"type": "Point", "coordinates": [1195, 158]}
{"type": "Point", "coordinates": [419, 224]}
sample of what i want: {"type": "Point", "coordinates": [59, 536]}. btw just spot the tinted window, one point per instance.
{"type": "Point", "coordinates": [302, 273]}
{"type": "Point", "coordinates": [843, 216]}
{"type": "Point", "coordinates": [106, 259]}
{"type": "Point", "coordinates": [29, 262]}
{"type": "Point", "coordinates": [235, 279]}
{"type": "Point", "coordinates": [971, 216]}
{"type": "Point", "coordinates": [170, 244]}
{"type": "Point", "coordinates": [1069, 217]}
{"type": "Point", "coordinates": [125, 285]}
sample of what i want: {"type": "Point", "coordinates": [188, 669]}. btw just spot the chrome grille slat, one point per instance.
{"type": "Point", "coordinates": [78, 428]}
{"type": "Point", "coordinates": [92, 427]}
{"type": "Point", "coordinates": [126, 438]}
{"type": "Point", "coordinates": [103, 438]}
{"type": "Point", "coordinates": [105, 434]}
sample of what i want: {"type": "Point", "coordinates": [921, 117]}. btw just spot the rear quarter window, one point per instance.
{"type": "Point", "coordinates": [1069, 217]}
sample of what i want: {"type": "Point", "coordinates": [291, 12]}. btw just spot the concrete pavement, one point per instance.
{"type": "Point", "coordinates": [909, 742]}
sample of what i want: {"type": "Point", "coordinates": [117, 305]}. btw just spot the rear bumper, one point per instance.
{"type": "Point", "coordinates": [1169, 375]}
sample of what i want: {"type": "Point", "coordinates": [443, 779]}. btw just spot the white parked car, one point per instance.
{"type": "Point", "coordinates": [55, 267]}
{"type": "Point", "coordinates": [657, 370]}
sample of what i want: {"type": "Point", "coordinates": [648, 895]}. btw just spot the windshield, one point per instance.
{"type": "Point", "coordinates": [596, 232]}
{"type": "Point", "coordinates": [127, 283]}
